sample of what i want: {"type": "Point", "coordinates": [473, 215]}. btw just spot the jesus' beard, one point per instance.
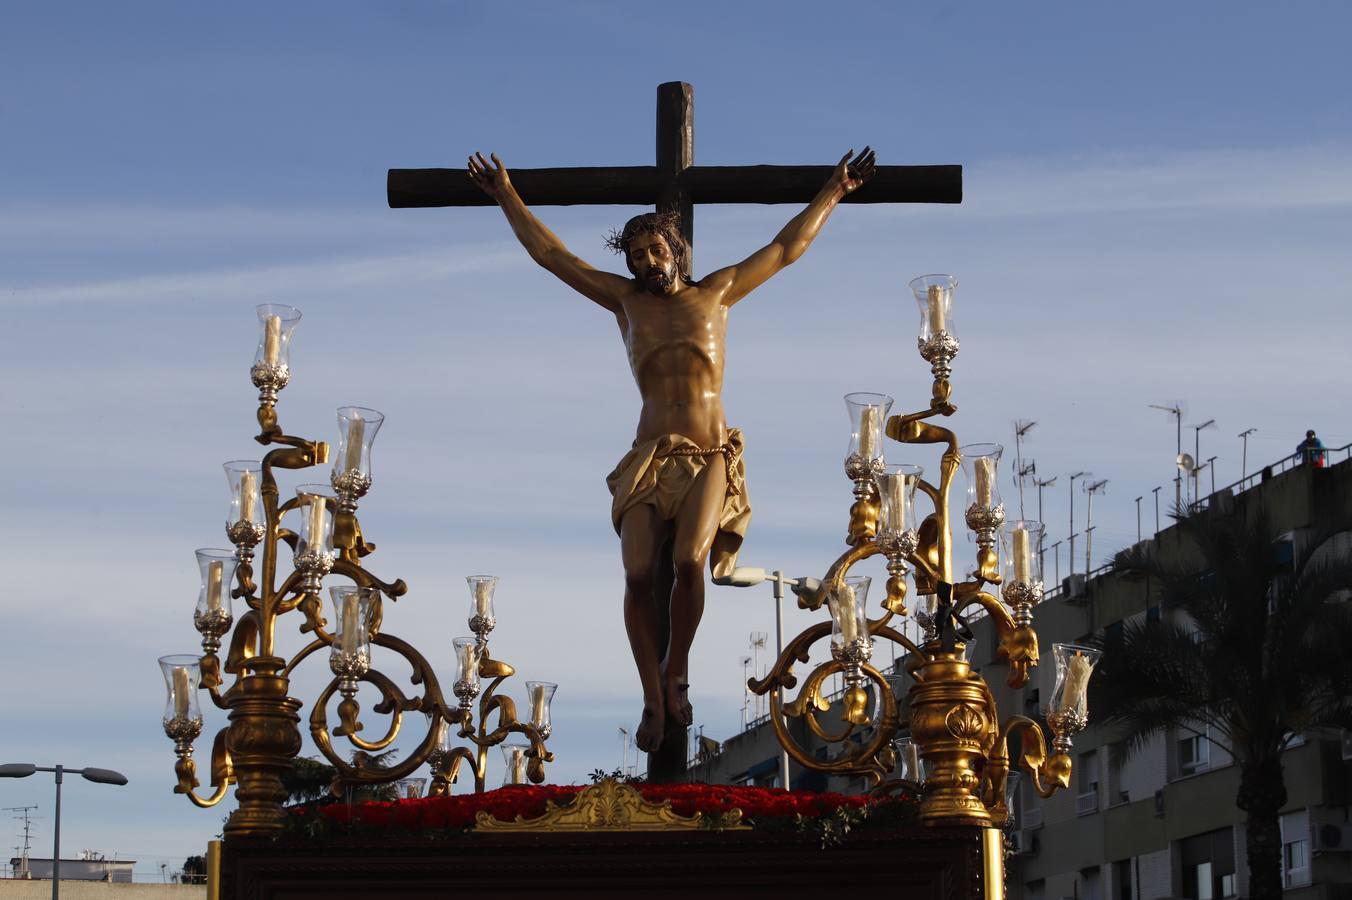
{"type": "Point", "coordinates": [658, 282]}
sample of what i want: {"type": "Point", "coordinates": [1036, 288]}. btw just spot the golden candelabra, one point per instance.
{"type": "Point", "coordinates": [951, 713]}
{"type": "Point", "coordinates": [256, 749]}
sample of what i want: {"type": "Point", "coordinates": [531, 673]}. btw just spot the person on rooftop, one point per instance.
{"type": "Point", "coordinates": [1311, 450]}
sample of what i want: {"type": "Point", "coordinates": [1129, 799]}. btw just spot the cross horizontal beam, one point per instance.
{"type": "Point", "coordinates": [641, 185]}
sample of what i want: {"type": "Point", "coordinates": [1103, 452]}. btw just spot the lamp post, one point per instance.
{"type": "Point", "coordinates": [98, 776]}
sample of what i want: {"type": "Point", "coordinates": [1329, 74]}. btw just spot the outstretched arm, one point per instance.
{"type": "Point", "coordinates": [735, 282]}
{"type": "Point", "coordinates": [542, 244]}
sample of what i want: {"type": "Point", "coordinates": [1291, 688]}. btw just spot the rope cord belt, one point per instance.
{"type": "Point", "coordinates": [730, 456]}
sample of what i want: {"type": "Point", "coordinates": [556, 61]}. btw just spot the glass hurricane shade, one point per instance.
{"type": "Point", "coordinates": [1074, 665]}
{"type": "Point", "coordinates": [217, 570]}
{"type": "Point", "coordinates": [276, 324]}
{"type": "Point", "coordinates": [481, 588]}
{"type": "Point", "coordinates": [934, 295]}
{"type": "Point", "coordinates": [466, 660]}
{"type": "Point", "coordinates": [539, 695]}
{"type": "Point", "coordinates": [357, 428]}
{"type": "Point", "coordinates": [410, 788]}
{"type": "Point", "coordinates": [868, 419]}
{"type": "Point", "coordinates": [981, 465]}
{"type": "Point", "coordinates": [896, 495]}
{"type": "Point", "coordinates": [245, 480]}
{"type": "Point", "coordinates": [315, 508]}
{"type": "Point", "coordinates": [514, 758]}
{"type": "Point", "coordinates": [849, 610]}
{"type": "Point", "coordinates": [182, 677]}
{"type": "Point", "coordinates": [352, 610]}
{"type": "Point", "coordinates": [1022, 540]}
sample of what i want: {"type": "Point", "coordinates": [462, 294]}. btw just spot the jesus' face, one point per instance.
{"type": "Point", "coordinates": [653, 263]}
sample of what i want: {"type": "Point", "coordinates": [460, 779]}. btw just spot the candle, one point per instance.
{"type": "Point", "coordinates": [355, 431]}
{"type": "Point", "coordinates": [518, 766]}
{"type": "Point", "coordinates": [537, 705]}
{"type": "Point", "coordinates": [469, 662]}
{"type": "Point", "coordinates": [983, 467]}
{"type": "Point", "coordinates": [316, 535]}
{"type": "Point", "coordinates": [182, 688]}
{"type": "Point", "coordinates": [247, 486]}
{"type": "Point", "coordinates": [1023, 560]}
{"type": "Point", "coordinates": [935, 296]}
{"type": "Point", "coordinates": [215, 570]}
{"type": "Point", "coordinates": [272, 340]}
{"type": "Point", "coordinates": [896, 502]}
{"type": "Point", "coordinates": [868, 431]}
{"type": "Point", "coordinates": [1077, 682]}
{"type": "Point", "coordinates": [350, 624]}
{"type": "Point", "coordinates": [845, 614]}
{"type": "Point", "coordinates": [483, 597]}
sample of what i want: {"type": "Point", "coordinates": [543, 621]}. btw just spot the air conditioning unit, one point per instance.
{"type": "Point", "coordinates": [1073, 586]}
{"type": "Point", "coordinates": [1332, 838]}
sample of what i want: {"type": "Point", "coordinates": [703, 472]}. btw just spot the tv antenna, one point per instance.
{"type": "Point", "coordinates": [27, 844]}
{"type": "Point", "coordinates": [1244, 458]}
{"type": "Point", "coordinates": [1073, 476]}
{"type": "Point", "coordinates": [1177, 412]}
{"type": "Point", "coordinates": [1021, 429]}
{"type": "Point", "coordinates": [1197, 464]}
{"type": "Point", "coordinates": [758, 639]}
{"type": "Point", "coordinates": [1090, 489]}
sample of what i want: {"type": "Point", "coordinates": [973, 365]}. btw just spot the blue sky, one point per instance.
{"type": "Point", "coordinates": [1157, 206]}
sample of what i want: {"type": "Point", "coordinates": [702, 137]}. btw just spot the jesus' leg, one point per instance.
{"type": "Point", "coordinates": [696, 525]}
{"type": "Point", "coordinates": [641, 536]}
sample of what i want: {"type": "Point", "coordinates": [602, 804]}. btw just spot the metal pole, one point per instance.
{"type": "Point", "coordinates": [1156, 492]}
{"type": "Point", "coordinates": [1244, 458]}
{"type": "Point", "coordinates": [56, 841]}
{"type": "Point", "coordinates": [1088, 549]}
{"type": "Point", "coordinates": [1210, 464]}
{"type": "Point", "coordinates": [1088, 530]}
{"type": "Point", "coordinates": [1178, 480]}
{"type": "Point", "coordinates": [1138, 519]}
{"type": "Point", "coordinates": [779, 651]}
{"type": "Point", "coordinates": [1056, 555]}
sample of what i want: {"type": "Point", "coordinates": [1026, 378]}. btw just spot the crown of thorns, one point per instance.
{"type": "Point", "coordinates": [667, 224]}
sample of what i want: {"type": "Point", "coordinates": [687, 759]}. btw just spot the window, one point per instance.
{"type": "Point", "coordinates": [1117, 755]}
{"type": "Point", "coordinates": [1122, 879]}
{"type": "Point", "coordinates": [1091, 884]}
{"type": "Point", "coordinates": [1208, 862]}
{"type": "Point", "coordinates": [1087, 767]}
{"type": "Point", "coordinates": [1194, 753]}
{"type": "Point", "coordinates": [1296, 849]}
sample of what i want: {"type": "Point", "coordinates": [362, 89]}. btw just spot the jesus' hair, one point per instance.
{"type": "Point", "coordinates": [666, 225]}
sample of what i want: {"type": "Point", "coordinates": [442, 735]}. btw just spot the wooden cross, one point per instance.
{"type": "Point", "coordinates": [675, 183]}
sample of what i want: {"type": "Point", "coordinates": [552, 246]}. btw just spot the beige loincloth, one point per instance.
{"type": "Point", "coordinates": [661, 471]}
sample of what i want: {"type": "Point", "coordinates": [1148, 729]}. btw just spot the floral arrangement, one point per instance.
{"type": "Point", "coordinates": [830, 815]}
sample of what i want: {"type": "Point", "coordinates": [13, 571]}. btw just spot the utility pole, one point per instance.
{"type": "Point", "coordinates": [1072, 517]}
{"type": "Point", "coordinates": [1244, 454]}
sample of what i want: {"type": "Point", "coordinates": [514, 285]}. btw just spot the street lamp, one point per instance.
{"type": "Point", "coordinates": [750, 576]}
{"type": "Point", "coordinates": [98, 776]}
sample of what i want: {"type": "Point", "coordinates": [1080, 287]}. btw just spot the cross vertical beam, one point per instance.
{"type": "Point", "coordinates": [675, 154]}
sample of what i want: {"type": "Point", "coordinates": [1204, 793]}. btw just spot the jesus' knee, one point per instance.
{"type": "Point", "coordinates": [638, 584]}
{"type": "Point", "coordinates": [689, 571]}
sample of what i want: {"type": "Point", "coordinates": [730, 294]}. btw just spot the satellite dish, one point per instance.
{"type": "Point", "coordinates": [1186, 463]}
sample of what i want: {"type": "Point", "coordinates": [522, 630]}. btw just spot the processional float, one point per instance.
{"type": "Point", "coordinates": [319, 531]}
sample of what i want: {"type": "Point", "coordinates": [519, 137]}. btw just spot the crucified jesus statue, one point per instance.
{"type": "Point", "coordinates": [683, 480]}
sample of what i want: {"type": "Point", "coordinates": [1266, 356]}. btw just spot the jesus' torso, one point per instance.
{"type": "Point", "coordinates": [675, 346]}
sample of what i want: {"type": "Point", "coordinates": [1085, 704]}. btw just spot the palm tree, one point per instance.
{"type": "Point", "coordinates": [1257, 656]}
